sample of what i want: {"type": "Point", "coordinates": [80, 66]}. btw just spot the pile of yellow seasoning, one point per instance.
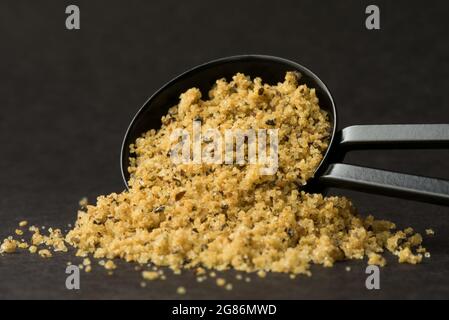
{"type": "Point", "coordinates": [221, 216]}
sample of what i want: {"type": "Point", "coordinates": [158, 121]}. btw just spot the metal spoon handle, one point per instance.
{"type": "Point", "coordinates": [386, 183]}
{"type": "Point", "coordinates": [394, 136]}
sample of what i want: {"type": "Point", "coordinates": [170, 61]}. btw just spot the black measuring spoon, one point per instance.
{"type": "Point", "coordinates": [331, 172]}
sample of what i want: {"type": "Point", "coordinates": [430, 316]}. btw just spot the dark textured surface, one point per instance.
{"type": "Point", "coordinates": [66, 98]}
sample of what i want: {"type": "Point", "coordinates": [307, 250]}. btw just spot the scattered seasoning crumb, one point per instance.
{"type": "Point", "coordinates": [200, 271]}
{"type": "Point", "coordinates": [32, 249]}
{"type": "Point", "coordinates": [8, 246]}
{"type": "Point", "coordinates": [23, 245]}
{"type": "Point", "coordinates": [221, 282]}
{"type": "Point", "coordinates": [406, 256]}
{"type": "Point", "coordinates": [421, 250]}
{"type": "Point", "coordinates": [88, 268]}
{"type": "Point", "coordinates": [150, 275]}
{"type": "Point", "coordinates": [376, 259]}
{"type": "Point", "coordinates": [181, 290]}
{"type": "Point", "coordinates": [212, 274]}
{"type": "Point", "coordinates": [69, 263]}
{"type": "Point", "coordinates": [101, 263]}
{"type": "Point", "coordinates": [45, 253]}
{"type": "Point", "coordinates": [430, 232]}
{"type": "Point", "coordinates": [427, 254]}
{"type": "Point", "coordinates": [348, 269]}
{"type": "Point", "coordinates": [110, 265]}
{"type": "Point", "coordinates": [83, 202]}
{"type": "Point", "coordinates": [23, 223]}
{"type": "Point", "coordinates": [228, 286]}
{"type": "Point", "coordinates": [143, 284]}
{"type": "Point", "coordinates": [238, 276]}
{"type": "Point", "coordinates": [292, 276]}
{"type": "Point", "coordinates": [247, 279]}
{"type": "Point", "coordinates": [86, 262]}
{"type": "Point", "coordinates": [19, 232]}
{"type": "Point", "coordinates": [261, 274]}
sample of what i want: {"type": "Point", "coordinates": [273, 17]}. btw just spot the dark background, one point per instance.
{"type": "Point", "coordinates": [66, 98]}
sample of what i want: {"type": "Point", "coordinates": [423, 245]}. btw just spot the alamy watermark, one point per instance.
{"type": "Point", "coordinates": [372, 21]}
{"type": "Point", "coordinates": [72, 282]}
{"type": "Point", "coordinates": [214, 148]}
{"type": "Point", "coordinates": [372, 282]}
{"type": "Point", "coordinates": [72, 22]}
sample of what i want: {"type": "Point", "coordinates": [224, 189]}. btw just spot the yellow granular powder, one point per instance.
{"type": "Point", "coordinates": [45, 253]}
{"type": "Point", "coordinates": [8, 246]}
{"type": "Point", "coordinates": [150, 275]}
{"type": "Point", "coordinates": [221, 282]}
{"type": "Point", "coordinates": [224, 216]}
{"type": "Point", "coordinates": [110, 265]}
{"type": "Point", "coordinates": [181, 290]}
{"type": "Point", "coordinates": [23, 223]}
{"type": "Point", "coordinates": [32, 249]}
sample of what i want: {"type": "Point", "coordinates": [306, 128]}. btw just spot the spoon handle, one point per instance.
{"type": "Point", "coordinates": [386, 183]}
{"type": "Point", "coordinates": [394, 136]}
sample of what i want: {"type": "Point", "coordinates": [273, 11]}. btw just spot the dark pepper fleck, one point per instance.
{"type": "Point", "coordinates": [270, 122]}
{"type": "Point", "coordinates": [180, 195]}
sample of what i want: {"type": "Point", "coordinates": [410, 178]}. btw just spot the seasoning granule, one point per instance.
{"type": "Point", "coordinates": [181, 290]}
{"type": "Point", "coordinates": [45, 253]}
{"type": "Point", "coordinates": [150, 275]}
{"type": "Point", "coordinates": [110, 265]}
{"type": "Point", "coordinates": [221, 282]}
{"type": "Point", "coordinates": [8, 246]}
